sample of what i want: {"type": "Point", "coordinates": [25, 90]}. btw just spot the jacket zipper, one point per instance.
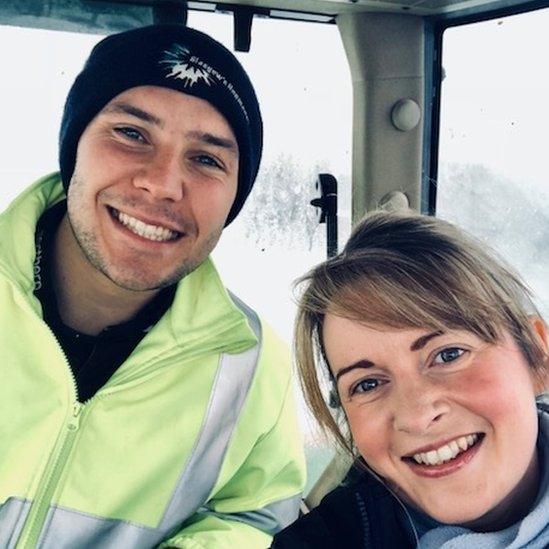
{"type": "Point", "coordinates": [50, 477]}
{"type": "Point", "coordinates": [34, 523]}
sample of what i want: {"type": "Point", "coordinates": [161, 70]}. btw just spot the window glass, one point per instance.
{"type": "Point", "coordinates": [304, 87]}
{"type": "Point", "coordinates": [493, 175]}
{"type": "Point", "coordinates": [36, 77]}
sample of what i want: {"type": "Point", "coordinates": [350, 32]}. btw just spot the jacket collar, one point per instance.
{"type": "Point", "coordinates": [18, 227]}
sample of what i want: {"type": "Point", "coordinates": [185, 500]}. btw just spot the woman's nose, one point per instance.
{"type": "Point", "coordinates": [417, 405]}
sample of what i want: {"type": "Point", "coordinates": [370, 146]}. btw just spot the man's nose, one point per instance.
{"type": "Point", "coordinates": [417, 405]}
{"type": "Point", "coordinates": [163, 177]}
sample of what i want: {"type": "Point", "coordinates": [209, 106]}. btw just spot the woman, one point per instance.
{"type": "Point", "coordinates": [433, 353]}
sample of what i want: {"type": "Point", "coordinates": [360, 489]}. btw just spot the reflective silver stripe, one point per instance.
{"type": "Point", "coordinates": [284, 512]}
{"type": "Point", "coordinates": [273, 517]}
{"type": "Point", "coordinates": [270, 519]}
{"type": "Point", "coordinates": [231, 385]}
{"type": "Point", "coordinates": [68, 529]}
{"type": "Point", "coordinates": [255, 322]}
{"type": "Point", "coordinates": [12, 517]}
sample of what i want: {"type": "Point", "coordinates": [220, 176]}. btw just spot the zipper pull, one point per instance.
{"type": "Point", "coordinates": [74, 421]}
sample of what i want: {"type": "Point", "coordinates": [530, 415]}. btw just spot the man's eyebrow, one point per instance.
{"type": "Point", "coordinates": [420, 342]}
{"type": "Point", "coordinates": [126, 108]}
{"type": "Point", "coordinates": [363, 363]}
{"type": "Point", "coordinates": [216, 140]}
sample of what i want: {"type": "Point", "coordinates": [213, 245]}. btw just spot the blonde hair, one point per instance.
{"type": "Point", "coordinates": [409, 271]}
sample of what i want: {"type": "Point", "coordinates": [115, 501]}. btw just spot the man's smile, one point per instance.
{"type": "Point", "coordinates": [154, 232]}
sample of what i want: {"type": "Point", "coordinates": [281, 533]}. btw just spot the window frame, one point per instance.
{"type": "Point", "coordinates": [434, 39]}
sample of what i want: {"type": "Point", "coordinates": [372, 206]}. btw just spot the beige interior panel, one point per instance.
{"type": "Point", "coordinates": [385, 159]}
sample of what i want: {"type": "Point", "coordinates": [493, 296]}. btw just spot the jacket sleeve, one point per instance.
{"type": "Point", "coordinates": [212, 532]}
{"type": "Point", "coordinates": [263, 493]}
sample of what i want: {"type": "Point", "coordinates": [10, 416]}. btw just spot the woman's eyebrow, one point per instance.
{"type": "Point", "coordinates": [363, 363]}
{"type": "Point", "coordinates": [420, 342]}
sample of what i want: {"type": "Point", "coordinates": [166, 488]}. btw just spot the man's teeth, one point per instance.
{"type": "Point", "coordinates": [447, 452]}
{"type": "Point", "coordinates": [151, 232]}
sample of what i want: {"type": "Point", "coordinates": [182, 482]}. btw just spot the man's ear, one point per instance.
{"type": "Point", "coordinates": [541, 381]}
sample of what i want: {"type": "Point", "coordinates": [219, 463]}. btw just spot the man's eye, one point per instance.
{"type": "Point", "coordinates": [448, 355]}
{"type": "Point", "coordinates": [131, 133]}
{"type": "Point", "coordinates": [207, 160]}
{"type": "Point", "coordinates": [365, 386]}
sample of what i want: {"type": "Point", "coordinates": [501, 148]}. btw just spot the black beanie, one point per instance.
{"type": "Point", "coordinates": [169, 56]}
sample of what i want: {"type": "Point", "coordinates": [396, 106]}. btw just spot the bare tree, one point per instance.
{"type": "Point", "coordinates": [278, 210]}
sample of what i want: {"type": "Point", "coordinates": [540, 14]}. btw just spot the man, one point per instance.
{"type": "Point", "coordinates": [141, 404]}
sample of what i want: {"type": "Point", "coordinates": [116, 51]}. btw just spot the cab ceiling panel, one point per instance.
{"type": "Point", "coordinates": [104, 16]}
{"type": "Point", "coordinates": [434, 8]}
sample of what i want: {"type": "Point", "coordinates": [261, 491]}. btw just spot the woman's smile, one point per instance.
{"type": "Point", "coordinates": [445, 459]}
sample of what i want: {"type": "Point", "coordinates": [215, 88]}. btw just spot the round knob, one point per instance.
{"type": "Point", "coordinates": [394, 201]}
{"type": "Point", "coordinates": [405, 115]}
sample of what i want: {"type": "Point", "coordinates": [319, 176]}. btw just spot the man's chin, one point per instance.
{"type": "Point", "coordinates": [139, 275]}
{"type": "Point", "coordinates": [136, 282]}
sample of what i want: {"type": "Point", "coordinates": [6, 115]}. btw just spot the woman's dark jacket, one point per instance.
{"type": "Point", "coordinates": [363, 514]}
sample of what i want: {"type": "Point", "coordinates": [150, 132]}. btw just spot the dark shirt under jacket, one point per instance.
{"type": "Point", "coordinates": [93, 359]}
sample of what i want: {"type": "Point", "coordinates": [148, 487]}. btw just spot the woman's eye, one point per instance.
{"type": "Point", "coordinates": [448, 355]}
{"type": "Point", "coordinates": [131, 133]}
{"type": "Point", "coordinates": [366, 386]}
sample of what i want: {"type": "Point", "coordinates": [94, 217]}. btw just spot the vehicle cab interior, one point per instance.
{"type": "Point", "coordinates": [439, 106]}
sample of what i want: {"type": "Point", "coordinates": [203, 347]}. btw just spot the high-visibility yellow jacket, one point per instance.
{"type": "Point", "coordinates": [192, 443]}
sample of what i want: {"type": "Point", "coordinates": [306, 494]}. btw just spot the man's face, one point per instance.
{"type": "Point", "coordinates": [155, 177]}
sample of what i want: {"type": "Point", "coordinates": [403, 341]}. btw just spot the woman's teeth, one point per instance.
{"type": "Point", "coordinates": [447, 452]}
{"type": "Point", "coordinates": [150, 232]}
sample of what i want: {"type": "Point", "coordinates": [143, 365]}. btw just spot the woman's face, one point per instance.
{"type": "Point", "coordinates": [448, 419]}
